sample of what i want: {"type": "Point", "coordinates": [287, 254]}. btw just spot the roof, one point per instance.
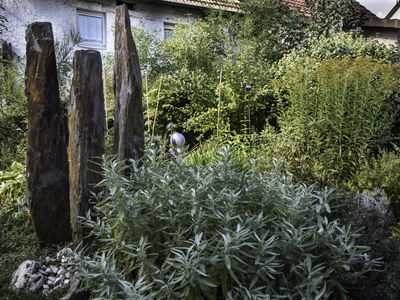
{"type": "Point", "coordinates": [382, 23]}
{"type": "Point", "coordinates": [226, 5]}
{"type": "Point", "coordinates": [234, 6]}
{"type": "Point", "coordinates": [393, 11]}
{"type": "Point", "coordinates": [300, 5]}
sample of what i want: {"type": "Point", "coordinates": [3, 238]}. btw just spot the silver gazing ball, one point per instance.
{"type": "Point", "coordinates": [177, 141]}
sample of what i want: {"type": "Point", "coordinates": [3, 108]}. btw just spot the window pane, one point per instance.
{"type": "Point", "coordinates": [90, 28]}
{"type": "Point", "coordinates": [168, 30]}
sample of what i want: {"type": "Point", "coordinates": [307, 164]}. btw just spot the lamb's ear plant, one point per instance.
{"type": "Point", "coordinates": [217, 231]}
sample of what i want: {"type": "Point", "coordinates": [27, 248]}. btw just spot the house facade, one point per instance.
{"type": "Point", "coordinates": [386, 30]}
{"type": "Point", "coordinates": [94, 19]}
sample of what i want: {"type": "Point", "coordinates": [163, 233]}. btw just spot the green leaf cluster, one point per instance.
{"type": "Point", "coordinates": [177, 231]}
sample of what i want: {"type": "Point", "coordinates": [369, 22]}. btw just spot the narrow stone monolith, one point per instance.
{"type": "Point", "coordinates": [86, 125]}
{"type": "Point", "coordinates": [47, 164]}
{"type": "Point", "coordinates": [128, 120]}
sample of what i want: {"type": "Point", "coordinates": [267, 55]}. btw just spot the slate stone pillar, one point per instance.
{"type": "Point", "coordinates": [47, 164]}
{"type": "Point", "coordinates": [128, 121]}
{"type": "Point", "coordinates": [86, 125]}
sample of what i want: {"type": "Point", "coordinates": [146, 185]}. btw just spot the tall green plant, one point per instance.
{"type": "Point", "coordinates": [334, 113]}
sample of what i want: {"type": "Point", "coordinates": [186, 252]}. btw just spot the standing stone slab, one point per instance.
{"type": "Point", "coordinates": [47, 164]}
{"type": "Point", "coordinates": [128, 121]}
{"type": "Point", "coordinates": [86, 134]}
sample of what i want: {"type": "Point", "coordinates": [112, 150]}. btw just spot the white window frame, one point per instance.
{"type": "Point", "coordinates": [88, 44]}
{"type": "Point", "coordinates": [168, 26]}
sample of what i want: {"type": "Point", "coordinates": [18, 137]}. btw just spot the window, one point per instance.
{"type": "Point", "coordinates": [91, 28]}
{"type": "Point", "coordinates": [168, 30]}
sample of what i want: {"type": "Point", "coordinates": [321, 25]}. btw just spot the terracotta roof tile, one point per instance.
{"type": "Point", "coordinates": [299, 5]}
{"type": "Point", "coordinates": [234, 6]}
{"type": "Point", "coordinates": [227, 5]}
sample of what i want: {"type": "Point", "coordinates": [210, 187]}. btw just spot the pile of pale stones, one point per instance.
{"type": "Point", "coordinates": [33, 276]}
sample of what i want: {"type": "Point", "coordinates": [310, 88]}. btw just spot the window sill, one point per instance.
{"type": "Point", "coordinates": [92, 46]}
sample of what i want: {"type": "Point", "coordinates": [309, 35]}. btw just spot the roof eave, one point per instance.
{"type": "Point", "coordinates": [382, 23]}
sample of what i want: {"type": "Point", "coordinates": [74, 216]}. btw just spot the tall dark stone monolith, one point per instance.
{"type": "Point", "coordinates": [86, 125]}
{"type": "Point", "coordinates": [47, 164]}
{"type": "Point", "coordinates": [128, 121]}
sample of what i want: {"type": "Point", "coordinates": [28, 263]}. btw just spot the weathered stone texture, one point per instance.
{"type": "Point", "coordinates": [128, 121]}
{"type": "Point", "coordinates": [47, 165]}
{"type": "Point", "coordinates": [86, 134]}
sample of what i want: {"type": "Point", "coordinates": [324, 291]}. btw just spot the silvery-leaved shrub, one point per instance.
{"type": "Point", "coordinates": [178, 231]}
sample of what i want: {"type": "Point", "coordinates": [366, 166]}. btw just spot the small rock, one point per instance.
{"type": "Point", "coordinates": [67, 275]}
{"type": "Point", "coordinates": [54, 269]}
{"type": "Point", "coordinates": [52, 278]}
{"type": "Point", "coordinates": [23, 274]}
{"type": "Point", "coordinates": [66, 281]}
{"type": "Point", "coordinates": [45, 287]}
{"type": "Point", "coordinates": [43, 272]}
{"type": "Point", "coordinates": [48, 271]}
{"type": "Point", "coordinates": [61, 271]}
{"type": "Point", "coordinates": [57, 281]}
{"type": "Point", "coordinates": [64, 260]}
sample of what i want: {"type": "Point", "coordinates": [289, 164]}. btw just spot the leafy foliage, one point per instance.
{"type": "Point", "coordinates": [12, 115]}
{"type": "Point", "coordinates": [334, 113]}
{"type": "Point", "coordinates": [63, 51]}
{"type": "Point", "coordinates": [173, 231]}
{"type": "Point", "coordinates": [333, 15]}
{"type": "Point", "coordinates": [381, 172]}
{"type": "Point", "coordinates": [339, 45]}
{"type": "Point", "coordinates": [196, 78]}
{"type": "Point", "coordinates": [12, 184]}
{"type": "Point", "coordinates": [270, 27]}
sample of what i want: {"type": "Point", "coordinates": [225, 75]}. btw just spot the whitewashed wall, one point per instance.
{"type": "Point", "coordinates": [63, 16]}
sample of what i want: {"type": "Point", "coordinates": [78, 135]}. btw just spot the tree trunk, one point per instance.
{"type": "Point", "coordinates": [47, 164]}
{"type": "Point", "coordinates": [128, 121]}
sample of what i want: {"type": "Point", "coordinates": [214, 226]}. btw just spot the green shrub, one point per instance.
{"type": "Point", "coordinates": [334, 113]}
{"type": "Point", "coordinates": [338, 45]}
{"type": "Point", "coordinates": [196, 78]}
{"type": "Point", "coordinates": [12, 115]}
{"type": "Point", "coordinates": [248, 151]}
{"type": "Point", "coordinates": [174, 231]}
{"type": "Point", "coordinates": [381, 172]}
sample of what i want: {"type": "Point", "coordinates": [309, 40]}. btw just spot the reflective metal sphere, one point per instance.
{"type": "Point", "coordinates": [177, 141]}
